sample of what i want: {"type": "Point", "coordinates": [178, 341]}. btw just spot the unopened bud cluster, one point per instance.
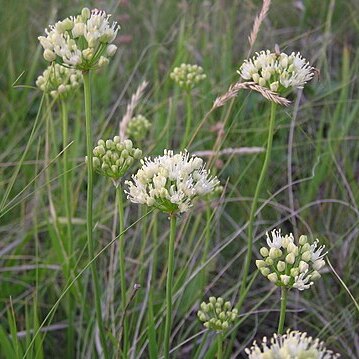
{"type": "Point", "coordinates": [58, 80]}
{"type": "Point", "coordinates": [83, 42]}
{"type": "Point", "coordinates": [188, 76]}
{"type": "Point", "coordinates": [112, 158]}
{"type": "Point", "coordinates": [277, 71]}
{"type": "Point", "coordinates": [138, 128]}
{"type": "Point", "coordinates": [217, 314]}
{"type": "Point", "coordinates": [289, 265]}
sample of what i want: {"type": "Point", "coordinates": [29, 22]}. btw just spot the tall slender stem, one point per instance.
{"type": "Point", "coordinates": [66, 177]}
{"type": "Point", "coordinates": [89, 220]}
{"type": "Point", "coordinates": [69, 239]}
{"type": "Point", "coordinates": [219, 346]}
{"type": "Point", "coordinates": [188, 124]}
{"type": "Point", "coordinates": [243, 292]}
{"type": "Point", "coordinates": [122, 265]}
{"type": "Point", "coordinates": [283, 307]}
{"type": "Point", "coordinates": [170, 268]}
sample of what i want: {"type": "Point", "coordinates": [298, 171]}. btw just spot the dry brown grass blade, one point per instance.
{"type": "Point", "coordinates": [257, 23]}
{"type": "Point", "coordinates": [135, 99]}
{"type": "Point", "coordinates": [234, 89]}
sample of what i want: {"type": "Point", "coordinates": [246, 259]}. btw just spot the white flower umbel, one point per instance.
{"type": "Point", "coordinates": [288, 264]}
{"type": "Point", "coordinates": [277, 72]}
{"type": "Point", "coordinates": [292, 345]}
{"type": "Point", "coordinates": [171, 182]}
{"type": "Point", "coordinates": [83, 42]}
{"type": "Point", "coordinates": [58, 80]}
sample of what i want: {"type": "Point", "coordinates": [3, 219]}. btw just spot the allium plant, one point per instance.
{"type": "Point", "coordinates": [277, 72]}
{"type": "Point", "coordinates": [137, 128]}
{"type": "Point", "coordinates": [217, 315]}
{"type": "Point", "coordinates": [113, 158]}
{"type": "Point", "coordinates": [170, 183]}
{"type": "Point", "coordinates": [289, 265]}
{"type": "Point", "coordinates": [187, 76]}
{"type": "Point", "coordinates": [58, 80]}
{"type": "Point", "coordinates": [83, 42]}
{"type": "Point", "coordinates": [292, 345]}
{"type": "Point", "coordinates": [271, 72]}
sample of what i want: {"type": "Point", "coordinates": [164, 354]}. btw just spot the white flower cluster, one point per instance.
{"type": "Point", "coordinates": [58, 80]}
{"type": "Point", "coordinates": [138, 128]}
{"type": "Point", "coordinates": [83, 42]}
{"type": "Point", "coordinates": [170, 182]}
{"type": "Point", "coordinates": [292, 345]}
{"type": "Point", "coordinates": [187, 76]}
{"type": "Point", "coordinates": [289, 265]}
{"type": "Point", "coordinates": [217, 314]}
{"type": "Point", "coordinates": [112, 158]}
{"type": "Point", "coordinates": [277, 71]}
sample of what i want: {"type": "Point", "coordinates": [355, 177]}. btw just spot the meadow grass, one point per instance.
{"type": "Point", "coordinates": [47, 306]}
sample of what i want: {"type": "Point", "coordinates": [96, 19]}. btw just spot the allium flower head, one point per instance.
{"type": "Point", "coordinates": [138, 128]}
{"type": "Point", "coordinates": [217, 314]}
{"type": "Point", "coordinates": [188, 76]}
{"type": "Point", "coordinates": [292, 345]}
{"type": "Point", "coordinates": [289, 265]}
{"type": "Point", "coordinates": [277, 72]}
{"type": "Point", "coordinates": [112, 158]}
{"type": "Point", "coordinates": [83, 42]}
{"type": "Point", "coordinates": [171, 182]}
{"type": "Point", "coordinates": [58, 80]}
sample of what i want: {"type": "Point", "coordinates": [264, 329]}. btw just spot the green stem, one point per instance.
{"type": "Point", "coordinates": [283, 307]}
{"type": "Point", "coordinates": [219, 346]}
{"type": "Point", "coordinates": [188, 119]}
{"type": "Point", "coordinates": [121, 251]}
{"type": "Point", "coordinates": [89, 220]}
{"type": "Point", "coordinates": [242, 292]}
{"type": "Point", "coordinates": [171, 247]}
{"type": "Point", "coordinates": [68, 245]}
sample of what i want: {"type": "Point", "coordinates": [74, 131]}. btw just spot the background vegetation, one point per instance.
{"type": "Point", "coordinates": [312, 186]}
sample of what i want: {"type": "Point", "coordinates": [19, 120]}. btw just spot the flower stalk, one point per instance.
{"type": "Point", "coordinates": [169, 283]}
{"type": "Point", "coordinates": [89, 208]}
{"type": "Point", "coordinates": [122, 265]}
{"type": "Point", "coordinates": [253, 210]}
{"type": "Point", "coordinates": [283, 307]}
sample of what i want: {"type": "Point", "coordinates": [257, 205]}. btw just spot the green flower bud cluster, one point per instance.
{"type": "Point", "coordinates": [59, 80]}
{"type": "Point", "coordinates": [112, 158]}
{"type": "Point", "coordinates": [138, 128]}
{"type": "Point", "coordinates": [188, 76]}
{"type": "Point", "coordinates": [289, 265]}
{"type": "Point", "coordinates": [217, 314]}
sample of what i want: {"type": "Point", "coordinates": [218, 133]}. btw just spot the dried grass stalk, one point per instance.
{"type": "Point", "coordinates": [135, 99]}
{"type": "Point", "coordinates": [230, 151]}
{"type": "Point", "coordinates": [257, 23]}
{"type": "Point", "coordinates": [234, 89]}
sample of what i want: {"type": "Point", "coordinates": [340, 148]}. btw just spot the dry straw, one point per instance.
{"type": "Point", "coordinates": [257, 23]}
{"type": "Point", "coordinates": [135, 99]}
{"type": "Point", "coordinates": [234, 89]}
